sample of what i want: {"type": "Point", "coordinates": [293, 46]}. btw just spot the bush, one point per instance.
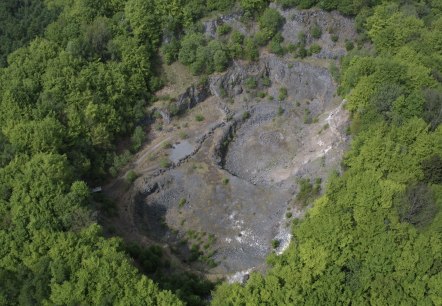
{"type": "Point", "coordinates": [266, 81]}
{"type": "Point", "coordinates": [349, 45]}
{"type": "Point", "coordinates": [237, 37]}
{"type": "Point", "coordinates": [282, 94]}
{"type": "Point", "coordinates": [276, 47]}
{"type": "Point", "coordinates": [220, 60]}
{"type": "Point", "coordinates": [199, 118]}
{"type": "Point", "coordinates": [183, 135]}
{"type": "Point", "coordinates": [182, 202]}
{"type": "Point", "coordinates": [223, 29]}
{"type": "Point", "coordinates": [276, 243]}
{"type": "Point", "coordinates": [271, 21]}
{"type": "Point", "coordinates": [316, 32]}
{"type": "Point", "coordinates": [261, 38]}
{"type": "Point", "coordinates": [287, 3]}
{"type": "Point", "coordinates": [315, 49]}
{"type": "Point", "coordinates": [334, 37]}
{"type": "Point", "coordinates": [245, 115]}
{"type": "Point", "coordinates": [137, 138]}
{"type": "Point", "coordinates": [131, 176]}
{"type": "Point", "coordinates": [254, 6]}
{"type": "Point", "coordinates": [220, 5]}
{"type": "Point", "coordinates": [189, 46]}
{"type": "Point", "coordinates": [170, 51]}
{"type": "Point", "coordinates": [251, 51]}
{"type": "Point", "coordinates": [165, 163]}
{"type": "Point", "coordinates": [251, 83]}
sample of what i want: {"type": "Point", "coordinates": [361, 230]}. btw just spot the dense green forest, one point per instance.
{"type": "Point", "coordinates": [78, 77]}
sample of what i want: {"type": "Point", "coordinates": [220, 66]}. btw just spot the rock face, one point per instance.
{"type": "Point", "coordinates": [193, 96]}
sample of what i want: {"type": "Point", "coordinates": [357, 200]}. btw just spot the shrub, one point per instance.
{"type": "Point", "coordinates": [271, 21]}
{"type": "Point", "coordinates": [245, 115]}
{"type": "Point", "coordinates": [315, 48]}
{"type": "Point", "coordinates": [165, 163]}
{"type": "Point", "coordinates": [189, 45]}
{"type": "Point", "coordinates": [182, 202]}
{"type": "Point", "coordinates": [276, 47]}
{"type": "Point", "coordinates": [262, 37]}
{"type": "Point", "coordinates": [280, 111]}
{"type": "Point", "coordinates": [251, 51]}
{"type": "Point", "coordinates": [170, 51]}
{"type": "Point", "coordinates": [334, 37]}
{"type": "Point", "coordinates": [225, 181]}
{"type": "Point", "coordinates": [199, 118]}
{"type": "Point", "coordinates": [282, 93]}
{"type": "Point", "coordinates": [166, 145]}
{"type": "Point", "coordinates": [266, 81]}
{"type": "Point", "coordinates": [131, 176]}
{"type": "Point", "coordinates": [220, 60]}
{"type": "Point", "coordinates": [349, 45]}
{"type": "Point", "coordinates": [237, 37]}
{"type": "Point", "coordinates": [137, 138]}
{"type": "Point", "coordinates": [254, 6]}
{"type": "Point", "coordinates": [223, 29]}
{"type": "Point", "coordinates": [251, 83]}
{"type": "Point", "coordinates": [287, 3]}
{"type": "Point", "coordinates": [302, 38]}
{"type": "Point", "coordinates": [288, 215]}
{"type": "Point", "coordinates": [316, 31]}
{"type": "Point", "coordinates": [220, 5]}
{"type": "Point", "coordinates": [276, 243]}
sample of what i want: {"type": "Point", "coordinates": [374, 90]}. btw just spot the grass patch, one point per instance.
{"type": "Point", "coordinates": [182, 202]}
{"type": "Point", "coordinates": [165, 163]}
{"type": "Point", "coordinates": [199, 118]}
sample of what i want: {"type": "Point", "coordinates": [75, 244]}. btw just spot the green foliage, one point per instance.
{"type": "Point", "coordinates": [223, 29]}
{"type": "Point", "coordinates": [138, 138]}
{"type": "Point", "coordinates": [287, 3]}
{"type": "Point", "coordinates": [349, 45]}
{"type": "Point", "coordinates": [270, 22]}
{"type": "Point", "coordinates": [316, 31]}
{"type": "Point", "coordinates": [189, 45]}
{"type": "Point", "coordinates": [21, 21]}
{"type": "Point", "coordinates": [315, 49]}
{"type": "Point", "coordinates": [165, 163]}
{"type": "Point", "coordinates": [251, 83]}
{"type": "Point", "coordinates": [282, 94]}
{"type": "Point", "coordinates": [131, 176]}
{"type": "Point", "coordinates": [170, 51]}
{"type": "Point", "coordinates": [251, 51]}
{"type": "Point", "coordinates": [275, 243]}
{"type": "Point", "coordinates": [220, 5]}
{"type": "Point", "coordinates": [182, 202]}
{"type": "Point", "coordinates": [199, 118]}
{"type": "Point", "coordinates": [254, 6]}
{"type": "Point", "coordinates": [275, 45]}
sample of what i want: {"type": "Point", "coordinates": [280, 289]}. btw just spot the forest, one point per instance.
{"type": "Point", "coordinates": [76, 78]}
